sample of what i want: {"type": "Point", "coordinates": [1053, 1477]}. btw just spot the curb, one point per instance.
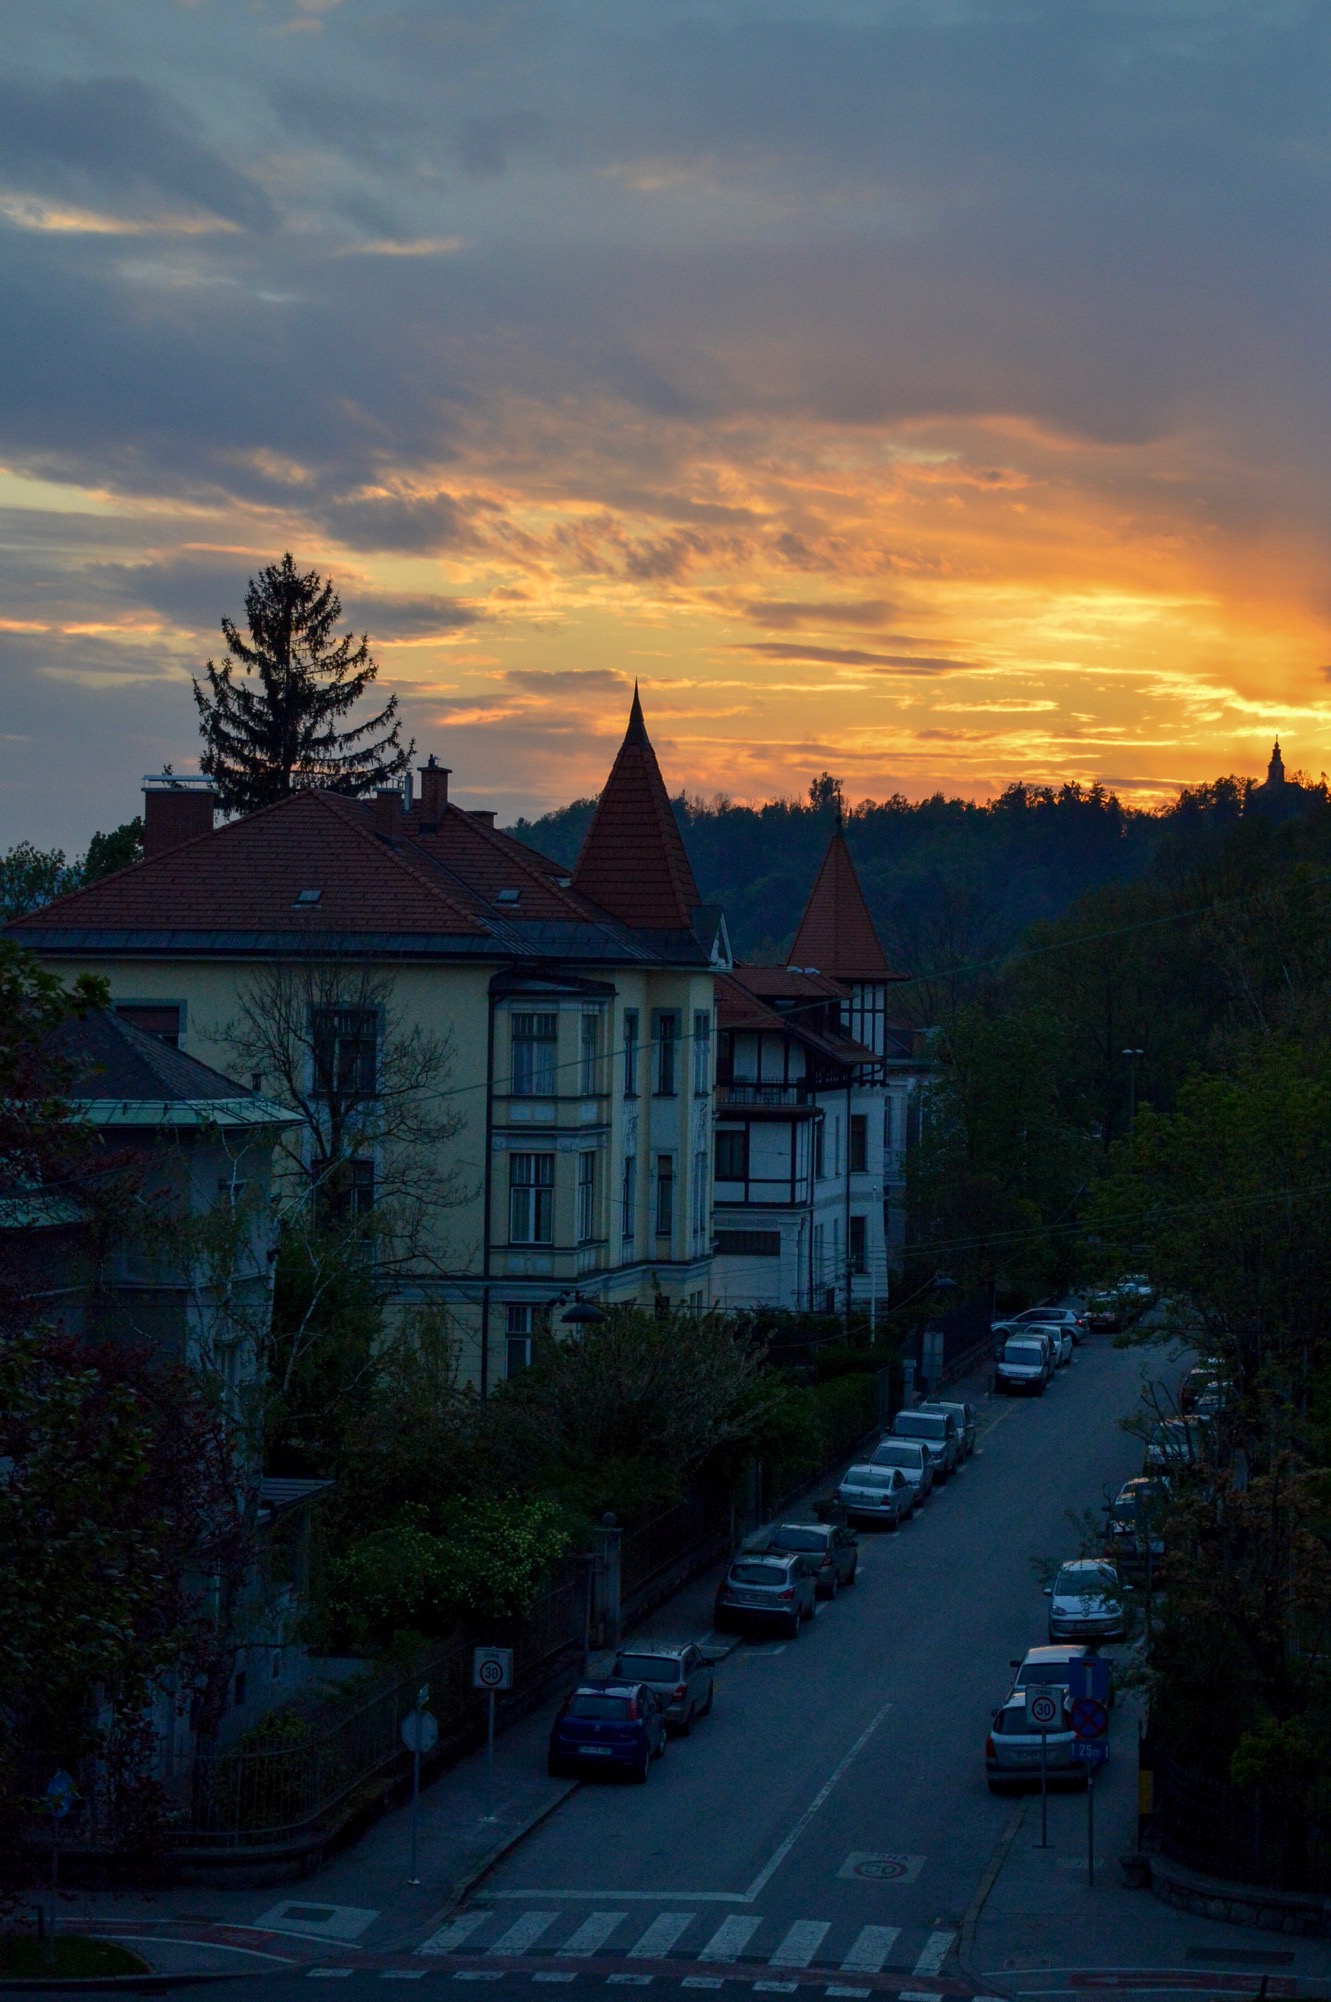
{"type": "Point", "coordinates": [123, 1984]}
{"type": "Point", "coordinates": [993, 1870]}
{"type": "Point", "coordinates": [463, 1887]}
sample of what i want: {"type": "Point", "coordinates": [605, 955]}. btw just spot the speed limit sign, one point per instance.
{"type": "Point", "coordinates": [492, 1668]}
{"type": "Point", "coordinates": [1042, 1707]}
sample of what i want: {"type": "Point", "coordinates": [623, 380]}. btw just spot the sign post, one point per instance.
{"type": "Point", "coordinates": [1042, 1707]}
{"type": "Point", "coordinates": [61, 1793]}
{"type": "Point", "coordinates": [420, 1733]}
{"type": "Point", "coordinates": [491, 1670]}
{"type": "Point", "coordinates": [1088, 1686]}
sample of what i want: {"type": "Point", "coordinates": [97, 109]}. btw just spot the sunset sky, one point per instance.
{"type": "Point", "coordinates": [933, 392]}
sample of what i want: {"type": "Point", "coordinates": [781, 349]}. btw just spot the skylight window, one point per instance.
{"type": "Point", "coordinates": [507, 896]}
{"type": "Point", "coordinates": [308, 896]}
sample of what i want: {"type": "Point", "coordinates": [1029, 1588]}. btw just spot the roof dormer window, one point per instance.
{"type": "Point", "coordinates": [304, 898]}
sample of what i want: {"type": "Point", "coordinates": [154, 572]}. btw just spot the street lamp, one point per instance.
{"type": "Point", "coordinates": [581, 1313]}
{"type": "Point", "coordinates": [1132, 1056]}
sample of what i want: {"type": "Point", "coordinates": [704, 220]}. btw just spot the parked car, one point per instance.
{"type": "Point", "coordinates": [1134, 1526]}
{"type": "Point", "coordinates": [1060, 1338]}
{"type": "Point", "coordinates": [1104, 1310]}
{"type": "Point", "coordinates": [882, 1495]}
{"type": "Point", "coordinates": [833, 1552]}
{"type": "Point", "coordinates": [1086, 1602]}
{"type": "Point", "coordinates": [1013, 1751]}
{"type": "Point", "coordinates": [963, 1417]}
{"type": "Point", "coordinates": [1063, 1317]}
{"type": "Point", "coordinates": [936, 1432]}
{"type": "Point", "coordinates": [1204, 1391]}
{"type": "Point", "coordinates": [1175, 1443]}
{"type": "Point", "coordinates": [1050, 1664]}
{"type": "Point", "coordinates": [1022, 1366]}
{"type": "Point", "coordinates": [911, 1459]}
{"type": "Point", "coordinates": [677, 1675]}
{"type": "Point", "coordinates": [762, 1590]}
{"type": "Point", "coordinates": [616, 1726]}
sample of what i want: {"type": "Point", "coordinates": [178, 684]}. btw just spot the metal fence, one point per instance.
{"type": "Point", "coordinates": [1247, 1835]}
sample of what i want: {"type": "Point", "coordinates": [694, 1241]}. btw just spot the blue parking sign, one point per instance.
{"type": "Point", "coordinates": [1093, 1751]}
{"type": "Point", "coordinates": [1089, 1677]}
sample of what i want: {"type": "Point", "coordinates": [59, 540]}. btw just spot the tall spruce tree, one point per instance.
{"type": "Point", "coordinates": [270, 714]}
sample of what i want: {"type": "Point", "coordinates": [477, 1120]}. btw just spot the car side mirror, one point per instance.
{"type": "Point", "coordinates": [1049, 1591]}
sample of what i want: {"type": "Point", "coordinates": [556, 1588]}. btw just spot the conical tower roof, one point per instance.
{"type": "Point", "coordinates": [836, 933]}
{"type": "Point", "coordinates": [633, 862]}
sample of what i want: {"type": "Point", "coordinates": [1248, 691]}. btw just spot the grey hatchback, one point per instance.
{"type": "Point", "coordinates": [756, 1590]}
{"type": "Point", "coordinates": [833, 1552]}
{"type": "Point", "coordinates": [677, 1673]}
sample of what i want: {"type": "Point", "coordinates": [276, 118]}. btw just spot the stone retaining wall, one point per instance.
{"type": "Point", "coordinates": [1269, 1910]}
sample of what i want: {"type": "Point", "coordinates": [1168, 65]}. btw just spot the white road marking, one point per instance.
{"type": "Point", "coordinates": [660, 1936]}
{"type": "Point", "coordinates": [629, 1980]}
{"type": "Point", "coordinates": [405, 1973]}
{"type": "Point", "coordinates": [328, 1973]}
{"type": "Point", "coordinates": [934, 1954]}
{"type": "Point", "coordinates": [776, 1987]}
{"type": "Point", "coordinates": [593, 1932]}
{"type": "Point", "coordinates": [869, 1953]}
{"type": "Point", "coordinates": [836, 1989]}
{"type": "Point", "coordinates": [484, 1974]}
{"type": "Point", "coordinates": [450, 1937]}
{"type": "Point", "coordinates": [702, 1981]}
{"type": "Point", "coordinates": [730, 1939]}
{"type": "Point", "coordinates": [770, 1868]}
{"type": "Point", "coordinates": [554, 1977]}
{"type": "Point", "coordinates": [800, 1944]}
{"type": "Point", "coordinates": [523, 1932]}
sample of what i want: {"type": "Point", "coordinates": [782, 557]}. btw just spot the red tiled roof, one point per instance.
{"type": "Point", "coordinates": [633, 862]}
{"type": "Point", "coordinates": [836, 933]}
{"type": "Point", "coordinates": [248, 875]}
{"type": "Point", "coordinates": [738, 1008]}
{"type": "Point", "coordinates": [789, 983]}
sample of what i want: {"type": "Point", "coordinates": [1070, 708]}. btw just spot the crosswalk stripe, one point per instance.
{"type": "Point", "coordinates": [730, 1939]}
{"type": "Point", "coordinates": [869, 1953]}
{"type": "Point", "coordinates": [800, 1944]}
{"type": "Point", "coordinates": [405, 1973]}
{"type": "Point", "coordinates": [593, 1932]}
{"type": "Point", "coordinates": [524, 1932]}
{"type": "Point", "coordinates": [935, 1952]}
{"type": "Point", "coordinates": [660, 1936]}
{"type": "Point", "coordinates": [450, 1937]}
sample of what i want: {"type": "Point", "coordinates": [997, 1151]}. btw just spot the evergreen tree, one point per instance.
{"type": "Point", "coordinates": [270, 714]}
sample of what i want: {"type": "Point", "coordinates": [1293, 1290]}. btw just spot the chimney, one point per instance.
{"type": "Point", "coordinates": [485, 814]}
{"type": "Point", "coordinates": [388, 813]}
{"type": "Point", "coordinates": [175, 811]}
{"type": "Point", "coordinates": [434, 791]}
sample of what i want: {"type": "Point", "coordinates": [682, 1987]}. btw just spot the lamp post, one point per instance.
{"type": "Point", "coordinates": [1132, 1057]}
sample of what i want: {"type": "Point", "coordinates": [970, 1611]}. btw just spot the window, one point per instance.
{"type": "Point", "coordinates": [889, 1122]}
{"type": "Point", "coordinates": [350, 1189]}
{"type": "Point", "coordinates": [820, 1149]}
{"type": "Point", "coordinates": [859, 1244]}
{"type": "Point", "coordinates": [160, 1019]}
{"type": "Point", "coordinates": [665, 1195]}
{"type": "Point", "coordinates": [698, 1194]}
{"type": "Point", "coordinates": [628, 1225]}
{"type": "Point", "coordinates": [589, 1051]}
{"type": "Point", "coordinates": [732, 1154]}
{"type": "Point", "coordinates": [531, 1198]}
{"type": "Point", "coordinates": [345, 1052]}
{"type": "Point", "coordinates": [535, 1055]}
{"type": "Point", "coordinates": [748, 1243]}
{"type": "Point", "coordinates": [630, 1053]}
{"type": "Point", "coordinates": [667, 1051]}
{"type": "Point", "coordinates": [518, 1332]}
{"type": "Point", "coordinates": [586, 1197]}
{"type": "Point", "coordinates": [702, 1051]}
{"type": "Point", "coordinates": [859, 1143]}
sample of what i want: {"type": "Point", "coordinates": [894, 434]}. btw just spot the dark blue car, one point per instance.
{"type": "Point", "coordinates": [617, 1726]}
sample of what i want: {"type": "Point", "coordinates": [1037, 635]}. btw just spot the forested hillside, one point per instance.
{"type": "Point", "coordinates": [950, 882]}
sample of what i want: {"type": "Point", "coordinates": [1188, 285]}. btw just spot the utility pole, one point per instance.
{"type": "Point", "coordinates": [1132, 1057]}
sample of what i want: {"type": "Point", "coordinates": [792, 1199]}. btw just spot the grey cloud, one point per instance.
{"type": "Point", "coordinates": [913, 663]}
{"type": "Point", "coordinates": [114, 137]}
{"type": "Point", "coordinates": [783, 614]}
{"type": "Point", "coordinates": [424, 525]}
{"type": "Point", "coordinates": [196, 592]}
{"type": "Point", "coordinates": [487, 145]}
{"type": "Point", "coordinates": [573, 680]}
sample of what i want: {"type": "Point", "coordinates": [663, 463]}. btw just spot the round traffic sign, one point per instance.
{"type": "Point", "coordinates": [1044, 1711]}
{"type": "Point", "coordinates": [1090, 1719]}
{"type": "Point", "coordinates": [490, 1674]}
{"type": "Point", "coordinates": [420, 1731]}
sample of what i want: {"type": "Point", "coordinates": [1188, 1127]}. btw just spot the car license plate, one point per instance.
{"type": "Point", "coordinates": [595, 1751]}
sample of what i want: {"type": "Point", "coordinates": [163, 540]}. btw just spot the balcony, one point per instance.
{"type": "Point", "coordinates": [761, 1094]}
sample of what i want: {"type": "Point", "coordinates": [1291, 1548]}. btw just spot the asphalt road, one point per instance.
{"type": "Point", "coordinates": [863, 1740]}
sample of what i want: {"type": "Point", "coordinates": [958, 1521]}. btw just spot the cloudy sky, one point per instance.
{"type": "Point", "coordinates": [931, 390]}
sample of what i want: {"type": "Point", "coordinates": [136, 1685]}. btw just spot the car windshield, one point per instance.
{"type": "Point", "coordinates": [1025, 1352]}
{"type": "Point", "coordinates": [758, 1574]}
{"type": "Point", "coordinates": [1084, 1581]}
{"type": "Point", "coordinates": [1043, 1671]}
{"type": "Point", "coordinates": [650, 1667]}
{"type": "Point", "coordinates": [869, 1477]}
{"type": "Point", "coordinates": [599, 1709]}
{"type": "Point", "coordinates": [897, 1456]}
{"type": "Point", "coordinates": [800, 1539]}
{"type": "Point", "coordinates": [918, 1425]}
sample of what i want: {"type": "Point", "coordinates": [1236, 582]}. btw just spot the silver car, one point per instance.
{"type": "Point", "coordinates": [962, 1416]}
{"type": "Point", "coordinates": [876, 1494]}
{"type": "Point", "coordinates": [936, 1432]}
{"type": "Point", "coordinates": [1013, 1750]}
{"type": "Point", "coordinates": [911, 1459]}
{"type": "Point", "coordinates": [757, 1591]}
{"type": "Point", "coordinates": [833, 1552]}
{"type": "Point", "coordinates": [1062, 1317]}
{"type": "Point", "coordinates": [1086, 1602]}
{"type": "Point", "coordinates": [1060, 1338]}
{"type": "Point", "coordinates": [1050, 1664]}
{"type": "Point", "coordinates": [677, 1673]}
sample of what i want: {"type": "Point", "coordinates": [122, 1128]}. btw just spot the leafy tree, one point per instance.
{"type": "Point", "coordinates": [272, 714]}
{"type": "Point", "coordinates": [116, 850]}
{"type": "Point", "coordinates": [30, 877]}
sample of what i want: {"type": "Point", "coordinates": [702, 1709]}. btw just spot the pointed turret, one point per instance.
{"type": "Point", "coordinates": [836, 933]}
{"type": "Point", "coordinates": [633, 862]}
